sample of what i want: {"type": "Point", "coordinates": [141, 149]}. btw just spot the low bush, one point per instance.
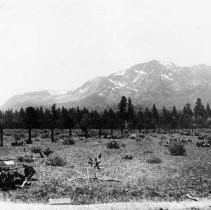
{"type": "Point", "coordinates": [176, 148]}
{"type": "Point", "coordinates": [34, 134]}
{"type": "Point", "coordinates": [148, 152]}
{"type": "Point", "coordinates": [203, 144]}
{"type": "Point", "coordinates": [56, 161]}
{"type": "Point", "coordinates": [113, 145]}
{"type": "Point", "coordinates": [47, 151]}
{"type": "Point", "coordinates": [154, 160]}
{"type": "Point", "coordinates": [18, 143]}
{"type": "Point", "coordinates": [13, 179]}
{"type": "Point", "coordinates": [68, 141]}
{"type": "Point", "coordinates": [133, 136]}
{"type": "Point", "coordinates": [142, 136]}
{"type": "Point", "coordinates": [128, 157]}
{"type": "Point", "coordinates": [36, 149]}
{"type": "Point", "coordinates": [26, 158]}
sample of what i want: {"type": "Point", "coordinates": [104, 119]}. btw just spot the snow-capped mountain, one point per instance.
{"type": "Point", "coordinates": [146, 83]}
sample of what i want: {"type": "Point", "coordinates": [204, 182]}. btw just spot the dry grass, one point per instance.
{"type": "Point", "coordinates": [171, 180]}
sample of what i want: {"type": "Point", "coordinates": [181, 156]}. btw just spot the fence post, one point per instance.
{"type": "Point", "coordinates": [52, 136]}
{"type": "Point", "coordinates": [100, 132]}
{"type": "Point", "coordinates": [111, 132]}
{"type": "Point", "coordinates": [1, 137]}
{"type": "Point", "coordinates": [30, 136]}
{"type": "Point", "coordinates": [70, 132]}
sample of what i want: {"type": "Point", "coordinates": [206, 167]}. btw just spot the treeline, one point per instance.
{"type": "Point", "coordinates": [124, 117]}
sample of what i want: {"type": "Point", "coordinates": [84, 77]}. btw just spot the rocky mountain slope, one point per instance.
{"type": "Point", "coordinates": [146, 83]}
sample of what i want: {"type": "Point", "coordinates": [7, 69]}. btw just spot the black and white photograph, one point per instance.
{"type": "Point", "coordinates": [105, 104]}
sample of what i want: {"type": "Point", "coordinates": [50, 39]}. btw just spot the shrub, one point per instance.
{"type": "Point", "coordinates": [140, 137]}
{"type": "Point", "coordinates": [36, 149]}
{"type": "Point", "coordinates": [68, 141]}
{"type": "Point", "coordinates": [47, 151]}
{"type": "Point", "coordinates": [154, 160]}
{"type": "Point", "coordinates": [48, 189]}
{"type": "Point", "coordinates": [26, 158]}
{"type": "Point", "coordinates": [56, 161]}
{"type": "Point", "coordinates": [203, 144]}
{"type": "Point", "coordinates": [128, 157]}
{"type": "Point", "coordinates": [148, 152]}
{"type": "Point", "coordinates": [18, 143]}
{"type": "Point", "coordinates": [133, 136]}
{"type": "Point", "coordinates": [34, 134]}
{"type": "Point", "coordinates": [177, 149]}
{"type": "Point", "coordinates": [113, 145]}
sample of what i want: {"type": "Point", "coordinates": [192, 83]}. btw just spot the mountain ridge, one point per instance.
{"type": "Point", "coordinates": [146, 83]}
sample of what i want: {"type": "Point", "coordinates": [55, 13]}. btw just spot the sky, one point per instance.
{"type": "Point", "coordinates": [60, 44]}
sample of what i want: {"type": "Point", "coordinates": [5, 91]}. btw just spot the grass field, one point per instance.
{"type": "Point", "coordinates": [151, 172]}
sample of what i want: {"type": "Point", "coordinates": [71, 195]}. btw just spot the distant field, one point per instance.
{"type": "Point", "coordinates": [149, 172]}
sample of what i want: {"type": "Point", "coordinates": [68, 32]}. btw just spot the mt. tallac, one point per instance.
{"type": "Point", "coordinates": [146, 83]}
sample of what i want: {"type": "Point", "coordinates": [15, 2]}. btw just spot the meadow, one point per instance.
{"type": "Point", "coordinates": [141, 168]}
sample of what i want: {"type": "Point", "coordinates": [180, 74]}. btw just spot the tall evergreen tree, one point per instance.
{"type": "Point", "coordinates": [54, 116]}
{"type": "Point", "coordinates": [130, 113]}
{"type": "Point", "coordinates": [199, 112]}
{"type": "Point", "coordinates": [30, 120]}
{"type": "Point", "coordinates": [122, 112]}
{"type": "Point", "coordinates": [147, 119]}
{"type": "Point", "coordinates": [187, 116]}
{"type": "Point", "coordinates": [165, 117]}
{"type": "Point", "coordinates": [174, 117]}
{"type": "Point", "coordinates": [155, 115]}
{"type": "Point", "coordinates": [208, 110]}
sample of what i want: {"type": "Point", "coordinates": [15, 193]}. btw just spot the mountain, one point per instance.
{"type": "Point", "coordinates": [146, 83]}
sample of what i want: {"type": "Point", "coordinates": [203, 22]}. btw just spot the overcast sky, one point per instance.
{"type": "Point", "coordinates": [60, 44]}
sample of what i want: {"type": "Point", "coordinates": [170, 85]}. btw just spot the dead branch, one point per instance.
{"type": "Point", "coordinates": [191, 197]}
{"type": "Point", "coordinates": [108, 180]}
{"type": "Point", "coordinates": [42, 154]}
{"type": "Point", "coordinates": [23, 184]}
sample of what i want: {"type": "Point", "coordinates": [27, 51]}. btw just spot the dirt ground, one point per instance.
{"type": "Point", "coordinates": [152, 174]}
{"type": "Point", "coordinates": [184, 205]}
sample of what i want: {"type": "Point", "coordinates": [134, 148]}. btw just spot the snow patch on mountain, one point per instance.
{"type": "Point", "coordinates": [164, 76]}
{"type": "Point", "coordinates": [166, 63]}
{"type": "Point", "coordinates": [140, 72]}
{"type": "Point", "coordinates": [117, 84]}
{"type": "Point", "coordinates": [136, 79]}
{"type": "Point", "coordinates": [120, 73]}
{"type": "Point", "coordinates": [57, 92]}
{"type": "Point", "coordinates": [142, 82]}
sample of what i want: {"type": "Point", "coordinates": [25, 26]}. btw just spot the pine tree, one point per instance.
{"type": "Point", "coordinates": [122, 111]}
{"type": "Point", "coordinates": [147, 119]}
{"type": "Point", "coordinates": [54, 114]}
{"type": "Point", "coordinates": [155, 115]}
{"type": "Point", "coordinates": [199, 112]}
{"type": "Point", "coordinates": [84, 124]}
{"type": "Point", "coordinates": [112, 120]}
{"type": "Point", "coordinates": [187, 116]}
{"type": "Point", "coordinates": [174, 117]}
{"type": "Point", "coordinates": [208, 110]}
{"type": "Point", "coordinates": [165, 118]}
{"type": "Point", "coordinates": [21, 117]}
{"type": "Point", "coordinates": [130, 113]}
{"type": "Point", "coordinates": [30, 120]}
{"type": "Point", "coordinates": [140, 120]}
